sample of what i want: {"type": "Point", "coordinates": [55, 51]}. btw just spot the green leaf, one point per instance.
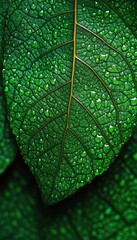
{"type": "Point", "coordinates": [8, 147]}
{"type": "Point", "coordinates": [7, 142]}
{"type": "Point", "coordinates": [70, 73]}
{"type": "Point", "coordinates": [106, 209]}
{"type": "Point", "coordinates": [19, 204]}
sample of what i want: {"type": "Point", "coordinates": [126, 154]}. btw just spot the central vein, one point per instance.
{"type": "Point", "coordinates": [69, 103]}
{"type": "Point", "coordinates": [73, 63]}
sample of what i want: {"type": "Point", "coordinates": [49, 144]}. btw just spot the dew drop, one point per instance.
{"type": "Point", "coordinates": [46, 87]}
{"type": "Point", "coordinates": [124, 48]}
{"type": "Point", "coordinates": [135, 62]}
{"type": "Point", "coordinates": [106, 13]}
{"type": "Point", "coordinates": [98, 103]}
{"type": "Point", "coordinates": [53, 81]}
{"type": "Point", "coordinates": [34, 44]}
{"type": "Point", "coordinates": [32, 119]}
{"type": "Point", "coordinates": [111, 129]}
{"type": "Point", "coordinates": [41, 13]}
{"type": "Point", "coordinates": [103, 57]}
{"type": "Point", "coordinates": [134, 101]}
{"type": "Point", "coordinates": [33, 6]}
{"type": "Point", "coordinates": [98, 139]}
{"type": "Point", "coordinates": [29, 31]}
{"type": "Point", "coordinates": [88, 47]}
{"type": "Point", "coordinates": [92, 104]}
{"type": "Point", "coordinates": [107, 74]}
{"type": "Point", "coordinates": [83, 154]}
{"type": "Point", "coordinates": [113, 68]}
{"type": "Point", "coordinates": [47, 113]}
{"type": "Point", "coordinates": [55, 35]}
{"type": "Point", "coordinates": [49, 10]}
{"type": "Point", "coordinates": [106, 148]}
{"type": "Point", "coordinates": [6, 89]}
{"type": "Point", "coordinates": [115, 81]}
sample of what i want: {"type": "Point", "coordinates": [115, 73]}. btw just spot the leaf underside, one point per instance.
{"type": "Point", "coordinates": [70, 72]}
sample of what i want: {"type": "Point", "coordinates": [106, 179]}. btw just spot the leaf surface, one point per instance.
{"type": "Point", "coordinates": [106, 209]}
{"type": "Point", "coordinates": [70, 72]}
{"type": "Point", "coordinates": [7, 143]}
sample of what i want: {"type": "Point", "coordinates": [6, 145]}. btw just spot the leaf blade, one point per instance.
{"type": "Point", "coordinates": [74, 88]}
{"type": "Point", "coordinates": [7, 143]}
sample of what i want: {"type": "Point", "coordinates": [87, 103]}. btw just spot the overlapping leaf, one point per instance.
{"type": "Point", "coordinates": [7, 143]}
{"type": "Point", "coordinates": [20, 209]}
{"type": "Point", "coordinates": [70, 73]}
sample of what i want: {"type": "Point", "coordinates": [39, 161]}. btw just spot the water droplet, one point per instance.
{"type": "Point", "coordinates": [94, 133]}
{"type": "Point", "coordinates": [98, 103]}
{"type": "Point", "coordinates": [83, 154]}
{"type": "Point", "coordinates": [115, 81]}
{"type": "Point", "coordinates": [33, 119]}
{"type": "Point", "coordinates": [29, 101]}
{"type": "Point", "coordinates": [113, 68]}
{"type": "Point", "coordinates": [94, 39]}
{"type": "Point", "coordinates": [92, 104]}
{"type": "Point", "coordinates": [33, 112]}
{"type": "Point", "coordinates": [124, 48]}
{"type": "Point", "coordinates": [47, 113]}
{"type": "Point", "coordinates": [33, 6]}
{"type": "Point", "coordinates": [100, 156]}
{"type": "Point", "coordinates": [103, 57]}
{"type": "Point", "coordinates": [98, 139]}
{"type": "Point", "coordinates": [134, 101]}
{"type": "Point", "coordinates": [106, 148]}
{"type": "Point", "coordinates": [88, 47]}
{"type": "Point", "coordinates": [29, 31]}
{"type": "Point", "coordinates": [41, 110]}
{"type": "Point", "coordinates": [63, 70]}
{"type": "Point", "coordinates": [135, 62]}
{"type": "Point", "coordinates": [18, 116]}
{"type": "Point", "coordinates": [111, 128]}
{"type": "Point", "coordinates": [92, 151]}
{"type": "Point", "coordinates": [96, 4]}
{"type": "Point", "coordinates": [6, 89]}
{"type": "Point", "coordinates": [86, 87]}
{"type": "Point", "coordinates": [99, 12]}
{"type": "Point", "coordinates": [55, 34]}
{"type": "Point", "coordinates": [34, 44]}
{"type": "Point", "coordinates": [49, 10]}
{"type": "Point", "coordinates": [107, 74]}
{"type": "Point", "coordinates": [53, 81]}
{"type": "Point", "coordinates": [97, 60]}
{"type": "Point", "coordinates": [41, 13]}
{"type": "Point", "coordinates": [106, 13]}
{"type": "Point", "coordinates": [96, 172]}
{"type": "Point", "coordinates": [46, 87]}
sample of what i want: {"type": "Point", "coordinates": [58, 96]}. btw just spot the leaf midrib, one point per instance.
{"type": "Point", "coordinates": [70, 98]}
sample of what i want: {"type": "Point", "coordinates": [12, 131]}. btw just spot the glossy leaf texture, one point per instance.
{"type": "Point", "coordinates": [7, 142]}
{"type": "Point", "coordinates": [70, 72]}
{"type": "Point", "coordinates": [106, 209]}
